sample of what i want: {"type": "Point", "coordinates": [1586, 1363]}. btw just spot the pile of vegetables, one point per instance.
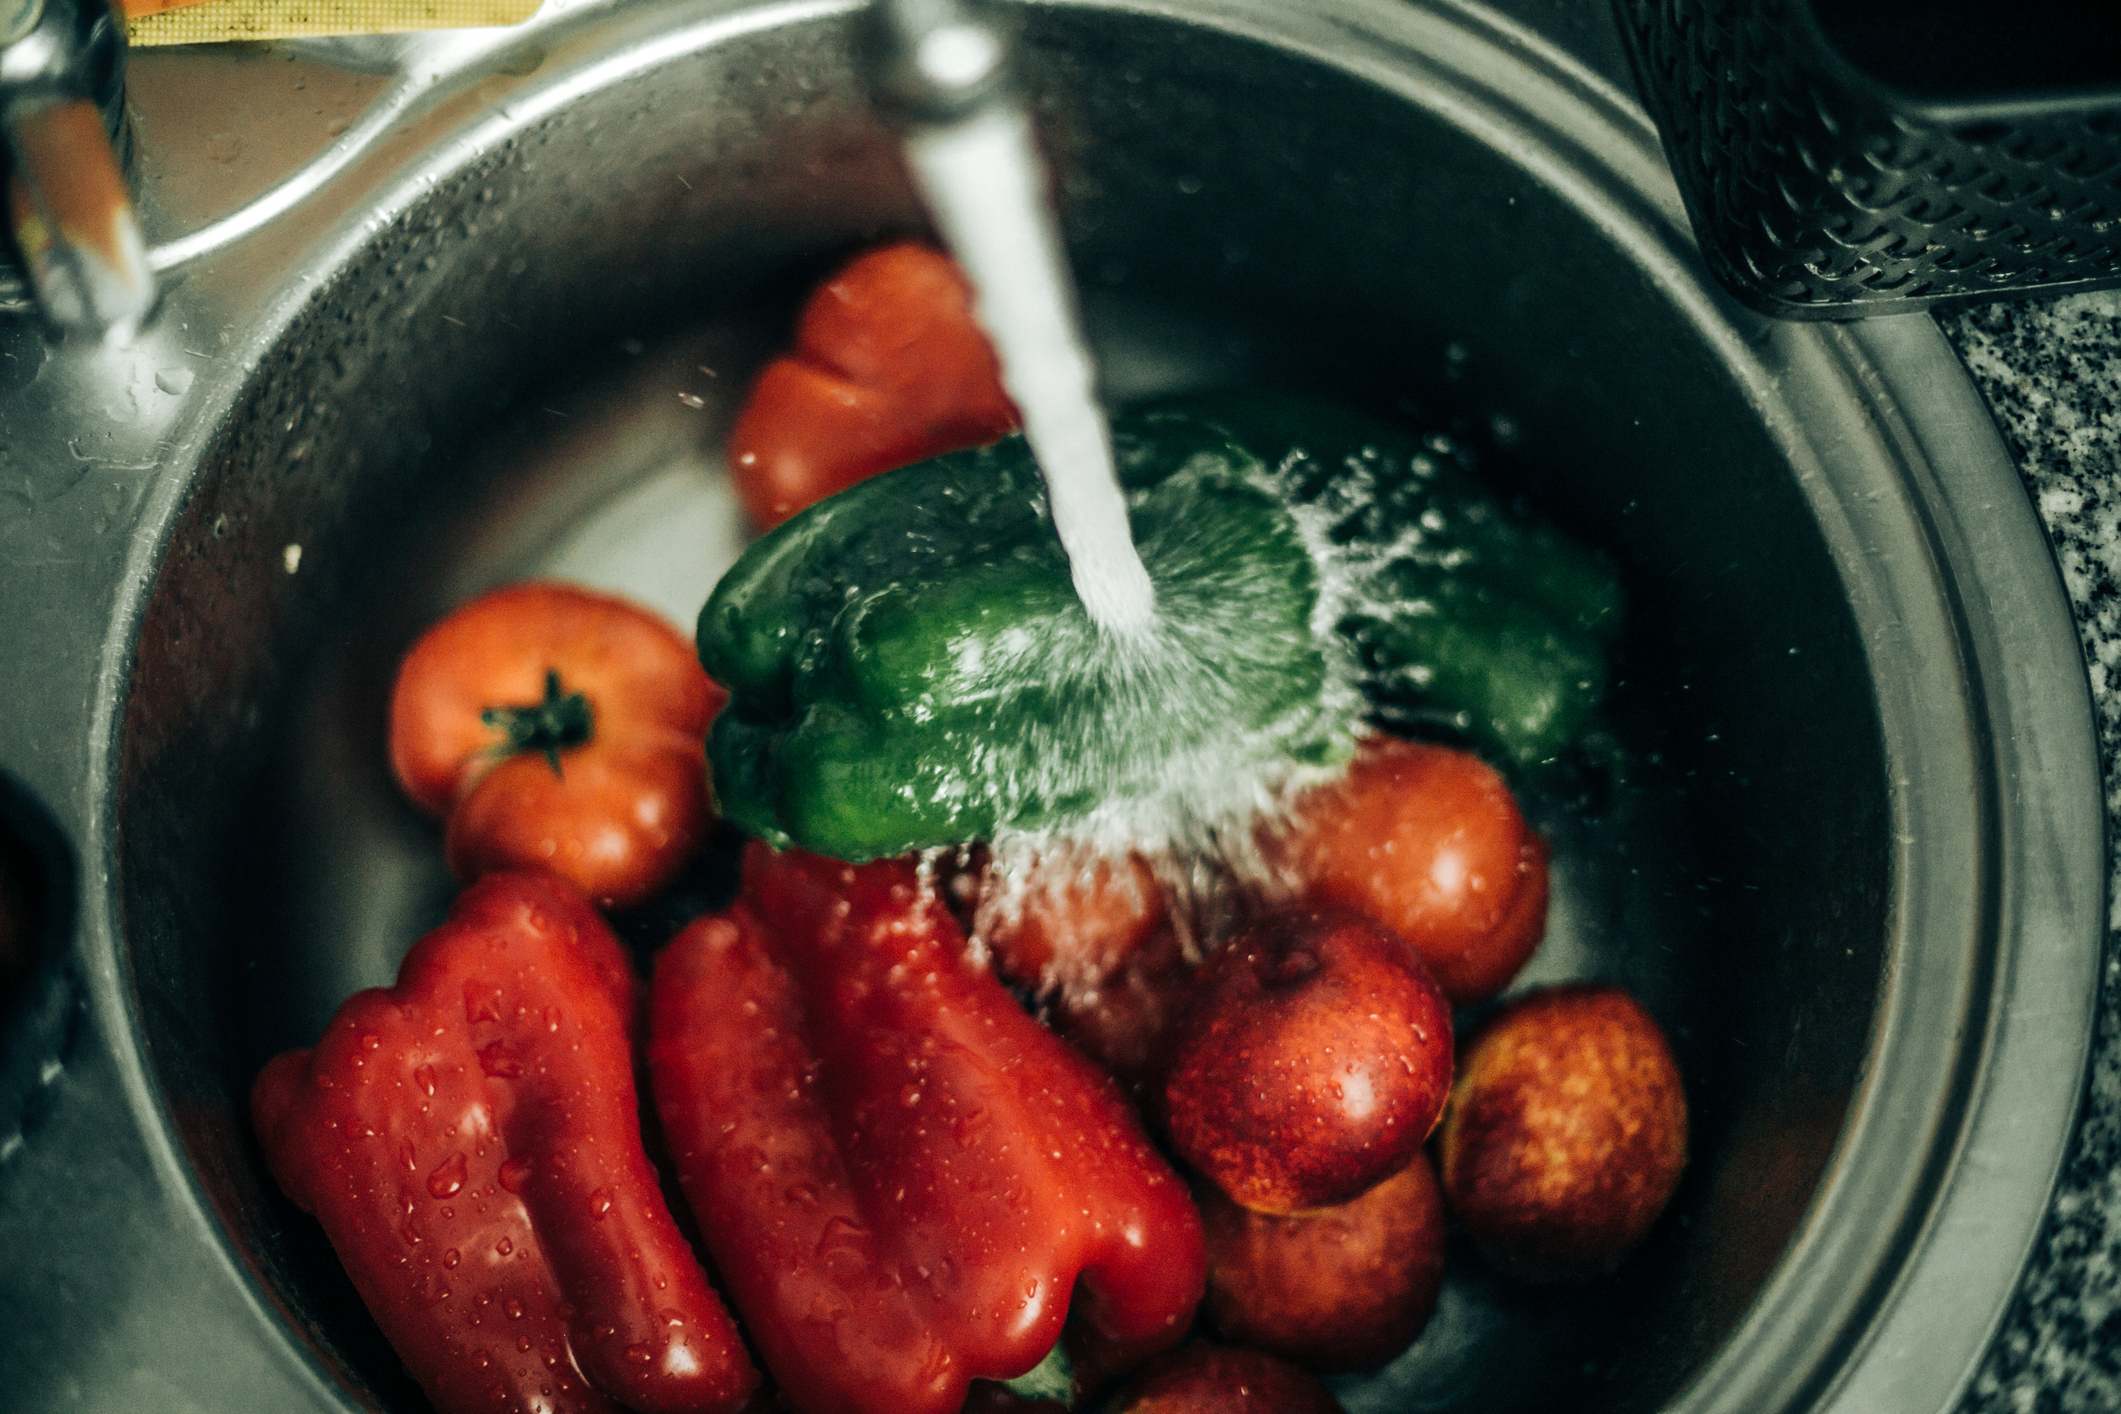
{"type": "Point", "coordinates": [1084, 1017]}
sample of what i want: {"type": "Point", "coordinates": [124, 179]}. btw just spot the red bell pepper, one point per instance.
{"type": "Point", "coordinates": [889, 368]}
{"type": "Point", "coordinates": [470, 1140]}
{"type": "Point", "coordinates": [900, 1173]}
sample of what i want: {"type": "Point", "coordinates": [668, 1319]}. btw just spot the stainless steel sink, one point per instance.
{"type": "Point", "coordinates": [464, 307]}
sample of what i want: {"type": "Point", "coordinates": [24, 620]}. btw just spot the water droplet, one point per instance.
{"type": "Point", "coordinates": [504, 1247]}
{"type": "Point", "coordinates": [523, 1344]}
{"type": "Point", "coordinates": [406, 1157]}
{"type": "Point", "coordinates": [513, 1307]}
{"type": "Point", "coordinates": [515, 1174]}
{"type": "Point", "coordinates": [606, 1331]}
{"type": "Point", "coordinates": [600, 1203]}
{"type": "Point", "coordinates": [448, 1178]}
{"type": "Point", "coordinates": [803, 1195]}
{"type": "Point", "coordinates": [839, 1250]}
{"type": "Point", "coordinates": [496, 1061]}
{"type": "Point", "coordinates": [451, 1258]}
{"type": "Point", "coordinates": [424, 1077]}
{"type": "Point", "coordinates": [640, 1354]}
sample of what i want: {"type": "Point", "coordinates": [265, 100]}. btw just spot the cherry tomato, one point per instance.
{"type": "Point", "coordinates": [1091, 937]}
{"type": "Point", "coordinates": [889, 367]}
{"type": "Point", "coordinates": [1429, 842]}
{"type": "Point", "coordinates": [1065, 921]}
{"type": "Point", "coordinates": [1125, 1024]}
{"type": "Point", "coordinates": [1210, 1379]}
{"type": "Point", "coordinates": [558, 728]}
{"type": "Point", "coordinates": [1566, 1133]}
{"type": "Point", "coordinates": [1340, 1288]}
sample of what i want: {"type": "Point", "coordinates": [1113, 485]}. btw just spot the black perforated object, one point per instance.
{"type": "Point", "coordinates": [1818, 192]}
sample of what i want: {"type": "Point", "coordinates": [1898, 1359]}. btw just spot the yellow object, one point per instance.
{"type": "Point", "coordinates": [155, 22]}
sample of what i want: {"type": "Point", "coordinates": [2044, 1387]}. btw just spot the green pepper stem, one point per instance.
{"type": "Point", "coordinates": [561, 721]}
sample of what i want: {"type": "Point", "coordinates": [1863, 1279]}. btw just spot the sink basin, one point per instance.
{"type": "Point", "coordinates": [1854, 864]}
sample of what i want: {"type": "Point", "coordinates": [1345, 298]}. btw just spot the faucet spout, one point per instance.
{"type": "Point", "coordinates": [72, 218]}
{"type": "Point", "coordinates": [942, 68]}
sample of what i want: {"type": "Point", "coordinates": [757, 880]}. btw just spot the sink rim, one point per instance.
{"type": "Point", "coordinates": [2043, 875]}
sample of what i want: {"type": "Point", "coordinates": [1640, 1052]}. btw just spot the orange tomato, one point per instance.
{"type": "Point", "coordinates": [559, 728]}
{"type": "Point", "coordinates": [889, 368]}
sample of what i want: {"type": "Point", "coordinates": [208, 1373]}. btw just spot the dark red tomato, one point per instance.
{"type": "Point", "coordinates": [559, 728]}
{"type": "Point", "coordinates": [1091, 938]}
{"type": "Point", "coordinates": [1209, 1379]}
{"type": "Point", "coordinates": [1066, 921]}
{"type": "Point", "coordinates": [1429, 842]}
{"type": "Point", "coordinates": [889, 368]}
{"type": "Point", "coordinates": [1340, 1288]}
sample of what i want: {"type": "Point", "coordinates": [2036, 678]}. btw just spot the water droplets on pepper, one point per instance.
{"type": "Point", "coordinates": [447, 1180]}
{"type": "Point", "coordinates": [481, 1003]}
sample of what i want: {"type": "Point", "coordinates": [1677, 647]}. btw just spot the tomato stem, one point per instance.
{"type": "Point", "coordinates": [562, 720]}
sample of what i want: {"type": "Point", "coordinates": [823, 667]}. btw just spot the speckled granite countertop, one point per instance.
{"type": "Point", "coordinates": [2052, 373]}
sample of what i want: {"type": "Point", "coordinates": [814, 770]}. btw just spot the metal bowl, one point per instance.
{"type": "Point", "coordinates": [1855, 866]}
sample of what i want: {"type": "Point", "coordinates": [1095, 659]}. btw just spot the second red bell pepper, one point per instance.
{"type": "Point", "coordinates": [470, 1140]}
{"type": "Point", "coordinates": [900, 1173]}
{"type": "Point", "coordinates": [889, 367]}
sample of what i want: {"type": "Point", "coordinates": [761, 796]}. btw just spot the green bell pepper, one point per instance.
{"type": "Point", "coordinates": [908, 664]}
{"type": "Point", "coordinates": [1495, 624]}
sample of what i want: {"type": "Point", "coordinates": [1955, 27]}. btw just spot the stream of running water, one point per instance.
{"type": "Point", "coordinates": [986, 188]}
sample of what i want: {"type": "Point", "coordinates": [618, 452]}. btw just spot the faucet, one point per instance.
{"type": "Point", "coordinates": [82, 256]}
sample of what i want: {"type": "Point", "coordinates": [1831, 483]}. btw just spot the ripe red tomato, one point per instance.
{"type": "Point", "coordinates": [1092, 939]}
{"type": "Point", "coordinates": [1429, 842]}
{"type": "Point", "coordinates": [889, 368]}
{"type": "Point", "coordinates": [1064, 922]}
{"type": "Point", "coordinates": [558, 728]}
